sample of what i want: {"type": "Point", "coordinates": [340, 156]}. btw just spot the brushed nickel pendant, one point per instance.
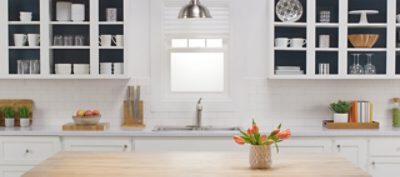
{"type": "Point", "coordinates": [194, 10]}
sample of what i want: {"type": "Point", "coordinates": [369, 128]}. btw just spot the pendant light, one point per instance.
{"type": "Point", "coordinates": [194, 10]}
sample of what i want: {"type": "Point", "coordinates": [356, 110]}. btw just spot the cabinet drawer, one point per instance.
{"type": "Point", "coordinates": [30, 150]}
{"type": "Point", "coordinates": [14, 171]}
{"type": "Point", "coordinates": [98, 144]}
{"type": "Point", "coordinates": [384, 147]}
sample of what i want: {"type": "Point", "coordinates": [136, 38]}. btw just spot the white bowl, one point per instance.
{"type": "Point", "coordinates": [81, 68]}
{"type": "Point", "coordinates": [86, 120]}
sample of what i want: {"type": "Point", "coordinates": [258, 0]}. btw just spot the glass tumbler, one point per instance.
{"type": "Point", "coordinates": [58, 40]}
{"type": "Point", "coordinates": [34, 66]}
{"type": "Point", "coordinates": [79, 40]}
{"type": "Point", "coordinates": [69, 40]}
{"type": "Point", "coordinates": [325, 16]}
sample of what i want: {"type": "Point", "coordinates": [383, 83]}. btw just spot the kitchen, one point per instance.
{"type": "Point", "coordinates": [249, 91]}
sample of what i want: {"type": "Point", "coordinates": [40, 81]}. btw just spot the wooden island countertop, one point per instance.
{"type": "Point", "coordinates": [191, 164]}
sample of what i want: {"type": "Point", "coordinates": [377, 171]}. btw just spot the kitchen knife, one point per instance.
{"type": "Point", "coordinates": [138, 111]}
{"type": "Point", "coordinates": [131, 100]}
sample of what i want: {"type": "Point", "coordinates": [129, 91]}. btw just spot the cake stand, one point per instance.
{"type": "Point", "coordinates": [363, 14]}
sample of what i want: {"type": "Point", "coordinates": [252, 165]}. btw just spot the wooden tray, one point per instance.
{"type": "Point", "coordinates": [16, 104]}
{"type": "Point", "coordinates": [74, 127]}
{"type": "Point", "coordinates": [331, 125]}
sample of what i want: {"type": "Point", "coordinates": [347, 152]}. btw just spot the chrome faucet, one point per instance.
{"type": "Point", "coordinates": [199, 110]}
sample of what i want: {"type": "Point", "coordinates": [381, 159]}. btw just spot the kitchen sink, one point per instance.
{"type": "Point", "coordinates": [194, 128]}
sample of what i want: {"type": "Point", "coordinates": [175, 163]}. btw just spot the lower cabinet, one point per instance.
{"type": "Point", "coordinates": [100, 144]}
{"type": "Point", "coordinates": [305, 145]}
{"type": "Point", "coordinates": [384, 167]}
{"type": "Point", "coordinates": [353, 149]}
{"type": "Point", "coordinates": [13, 171]}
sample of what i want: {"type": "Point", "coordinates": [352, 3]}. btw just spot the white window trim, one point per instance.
{"type": "Point", "coordinates": [163, 99]}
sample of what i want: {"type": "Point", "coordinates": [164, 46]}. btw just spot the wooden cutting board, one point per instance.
{"type": "Point", "coordinates": [74, 127]}
{"type": "Point", "coordinates": [16, 104]}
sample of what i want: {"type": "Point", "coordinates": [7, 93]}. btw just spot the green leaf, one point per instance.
{"type": "Point", "coordinates": [244, 133]}
{"type": "Point", "coordinates": [277, 147]}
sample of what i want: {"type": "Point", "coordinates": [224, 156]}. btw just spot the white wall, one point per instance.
{"type": "Point", "coordinates": [292, 102]}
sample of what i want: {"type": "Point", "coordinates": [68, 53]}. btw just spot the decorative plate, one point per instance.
{"type": "Point", "coordinates": [289, 10]}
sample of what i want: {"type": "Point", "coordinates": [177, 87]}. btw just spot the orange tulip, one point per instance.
{"type": "Point", "coordinates": [238, 139]}
{"type": "Point", "coordinates": [270, 142]}
{"type": "Point", "coordinates": [276, 131]}
{"type": "Point", "coordinates": [263, 138]}
{"type": "Point", "coordinates": [284, 134]}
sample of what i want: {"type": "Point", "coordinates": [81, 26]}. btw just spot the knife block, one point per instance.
{"type": "Point", "coordinates": [129, 120]}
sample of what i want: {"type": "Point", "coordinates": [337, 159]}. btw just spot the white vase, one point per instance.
{"type": "Point", "coordinates": [341, 118]}
{"type": "Point", "coordinates": [9, 122]}
{"type": "Point", "coordinates": [24, 122]}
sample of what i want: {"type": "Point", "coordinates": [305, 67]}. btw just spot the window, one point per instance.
{"type": "Point", "coordinates": [197, 65]}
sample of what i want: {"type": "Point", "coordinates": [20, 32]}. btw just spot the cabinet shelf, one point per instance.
{"type": "Point", "coordinates": [290, 24]}
{"type": "Point", "coordinates": [62, 77]}
{"type": "Point", "coordinates": [369, 25]}
{"type": "Point", "coordinates": [327, 49]}
{"type": "Point", "coordinates": [367, 49]}
{"type": "Point", "coordinates": [290, 49]}
{"type": "Point", "coordinates": [69, 23]}
{"type": "Point", "coordinates": [111, 23]}
{"type": "Point", "coordinates": [112, 48]}
{"type": "Point", "coordinates": [327, 25]}
{"type": "Point", "coordinates": [23, 23]}
{"type": "Point", "coordinates": [69, 47]}
{"type": "Point", "coordinates": [23, 47]}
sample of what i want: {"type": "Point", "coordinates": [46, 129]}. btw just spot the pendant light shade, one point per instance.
{"type": "Point", "coordinates": [194, 10]}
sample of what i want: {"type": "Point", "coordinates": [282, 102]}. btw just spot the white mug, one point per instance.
{"type": "Point", "coordinates": [297, 42]}
{"type": "Point", "coordinates": [20, 39]}
{"type": "Point", "coordinates": [111, 14]}
{"type": "Point", "coordinates": [33, 39]}
{"type": "Point", "coordinates": [105, 40]}
{"type": "Point", "coordinates": [118, 40]}
{"type": "Point", "coordinates": [25, 16]}
{"type": "Point", "coordinates": [281, 42]}
{"type": "Point", "coordinates": [78, 12]}
{"type": "Point", "coordinates": [324, 41]}
{"type": "Point", "coordinates": [63, 11]}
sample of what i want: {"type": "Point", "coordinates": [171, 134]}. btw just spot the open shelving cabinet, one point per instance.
{"type": "Point", "coordinates": [44, 23]}
{"type": "Point", "coordinates": [386, 56]}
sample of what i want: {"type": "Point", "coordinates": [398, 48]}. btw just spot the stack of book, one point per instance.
{"type": "Point", "coordinates": [361, 112]}
{"type": "Point", "coordinates": [288, 70]}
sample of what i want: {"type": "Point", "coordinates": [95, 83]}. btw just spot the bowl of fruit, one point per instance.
{"type": "Point", "coordinates": [87, 117]}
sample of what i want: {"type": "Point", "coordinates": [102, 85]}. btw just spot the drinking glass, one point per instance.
{"type": "Point", "coordinates": [58, 40]}
{"type": "Point", "coordinates": [369, 68]}
{"type": "Point", "coordinates": [358, 68]}
{"type": "Point", "coordinates": [69, 40]}
{"type": "Point", "coordinates": [352, 67]}
{"type": "Point", "coordinates": [79, 40]}
{"type": "Point", "coordinates": [34, 66]}
{"type": "Point", "coordinates": [325, 16]}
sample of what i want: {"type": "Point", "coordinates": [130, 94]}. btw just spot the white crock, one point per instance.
{"type": "Point", "coordinates": [9, 122]}
{"type": "Point", "coordinates": [340, 118]}
{"type": "Point", "coordinates": [24, 122]}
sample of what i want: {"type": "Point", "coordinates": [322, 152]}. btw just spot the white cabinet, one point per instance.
{"type": "Point", "coordinates": [384, 167]}
{"type": "Point", "coordinates": [384, 147]}
{"type": "Point", "coordinates": [27, 150]}
{"type": "Point", "coordinates": [102, 144]}
{"type": "Point", "coordinates": [13, 171]}
{"type": "Point", "coordinates": [305, 145]}
{"type": "Point", "coordinates": [353, 149]}
{"type": "Point", "coordinates": [159, 144]}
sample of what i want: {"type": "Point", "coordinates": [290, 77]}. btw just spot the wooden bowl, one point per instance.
{"type": "Point", "coordinates": [363, 40]}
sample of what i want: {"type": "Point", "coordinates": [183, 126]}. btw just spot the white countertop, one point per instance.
{"type": "Point", "coordinates": [147, 132]}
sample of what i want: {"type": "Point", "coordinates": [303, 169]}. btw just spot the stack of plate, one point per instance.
{"type": "Point", "coordinates": [63, 69]}
{"type": "Point", "coordinates": [288, 70]}
{"type": "Point", "coordinates": [106, 68]}
{"type": "Point", "coordinates": [118, 68]}
{"type": "Point", "coordinates": [81, 69]}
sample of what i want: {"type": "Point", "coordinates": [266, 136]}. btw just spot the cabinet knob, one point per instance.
{"type": "Point", "coordinates": [27, 151]}
{"type": "Point", "coordinates": [125, 146]}
{"type": "Point", "coordinates": [338, 146]}
{"type": "Point", "coordinates": [373, 163]}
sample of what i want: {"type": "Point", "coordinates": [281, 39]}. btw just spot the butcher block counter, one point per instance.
{"type": "Point", "coordinates": [190, 164]}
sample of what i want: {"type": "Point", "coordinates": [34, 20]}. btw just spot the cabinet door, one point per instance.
{"type": "Point", "coordinates": [99, 144]}
{"type": "Point", "coordinates": [187, 144]}
{"type": "Point", "coordinates": [13, 171]}
{"type": "Point", "coordinates": [27, 150]}
{"type": "Point", "coordinates": [352, 149]}
{"type": "Point", "coordinates": [305, 145]}
{"type": "Point", "coordinates": [384, 167]}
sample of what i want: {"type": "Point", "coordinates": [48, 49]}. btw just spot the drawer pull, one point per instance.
{"type": "Point", "coordinates": [125, 146]}
{"type": "Point", "coordinates": [373, 163]}
{"type": "Point", "coordinates": [338, 146]}
{"type": "Point", "coordinates": [27, 151]}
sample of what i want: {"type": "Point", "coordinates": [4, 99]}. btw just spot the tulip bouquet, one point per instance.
{"type": "Point", "coordinates": [254, 137]}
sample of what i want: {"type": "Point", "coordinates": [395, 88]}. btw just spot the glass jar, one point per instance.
{"type": "Point", "coordinates": [396, 112]}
